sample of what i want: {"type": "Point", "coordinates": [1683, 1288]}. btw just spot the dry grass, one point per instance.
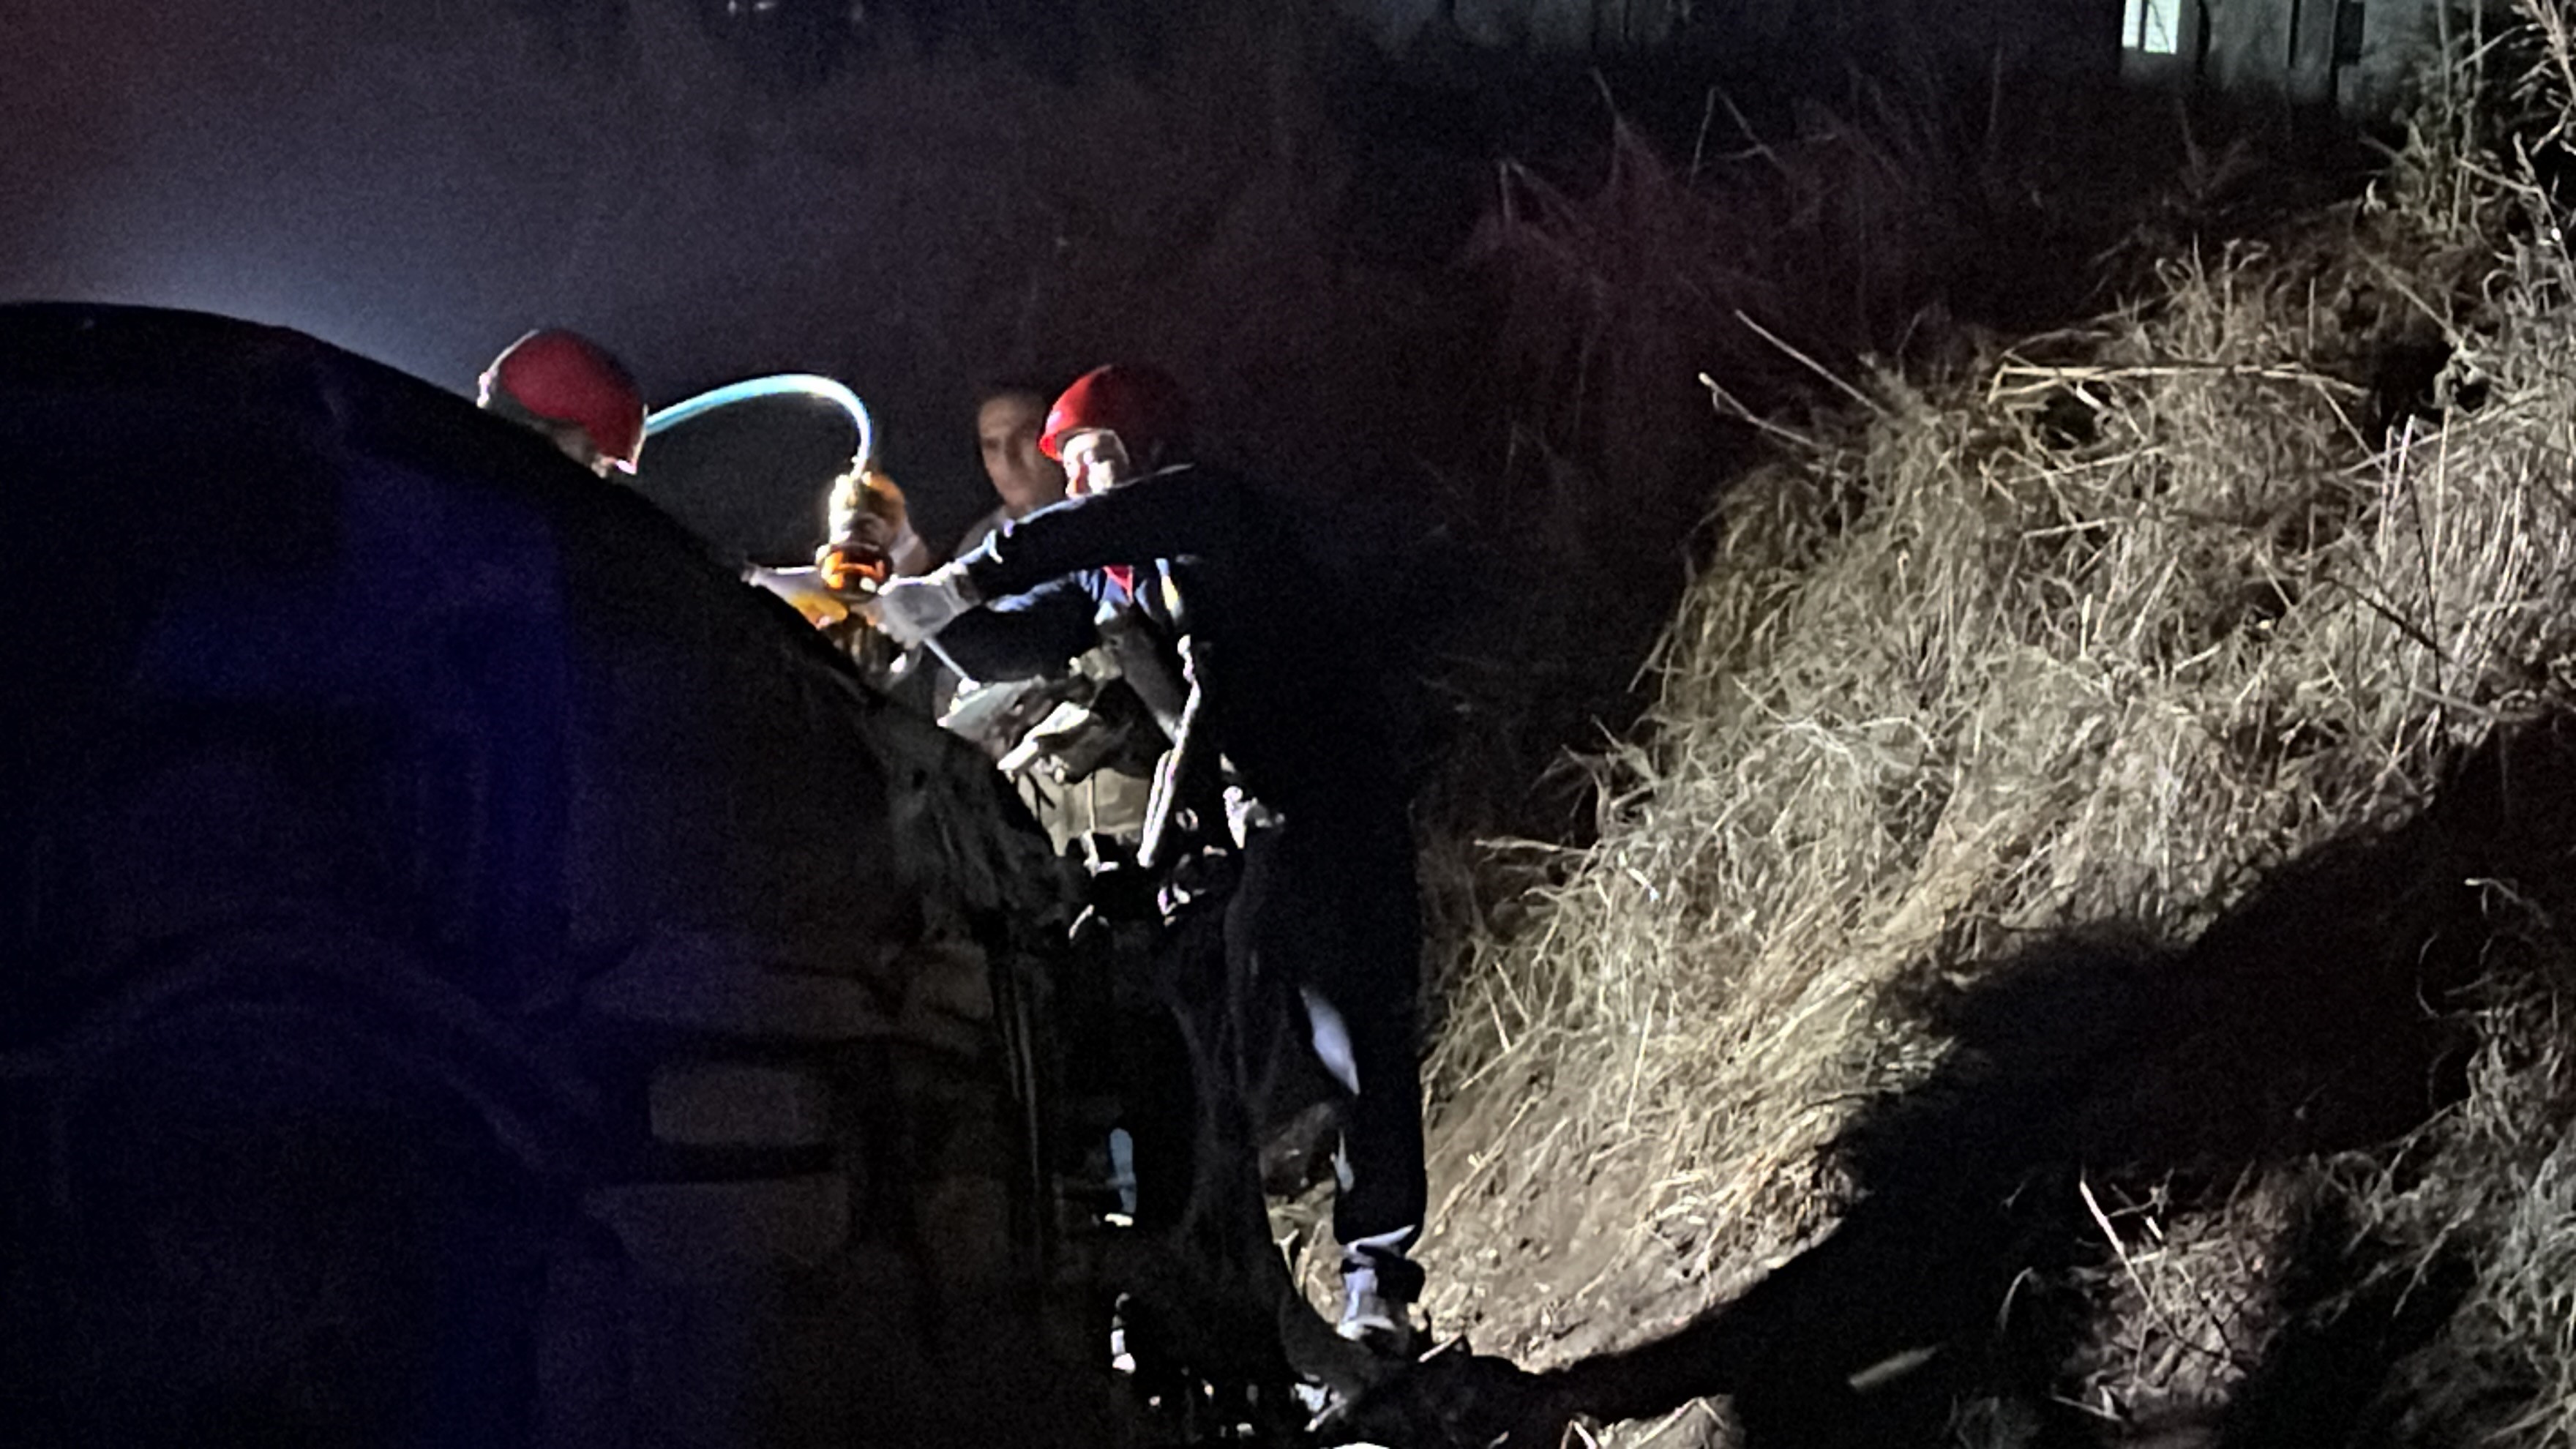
{"type": "Point", "coordinates": [1619, 277]}
{"type": "Point", "coordinates": [2091, 632]}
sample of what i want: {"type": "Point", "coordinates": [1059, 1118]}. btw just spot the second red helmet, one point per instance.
{"type": "Point", "coordinates": [1137, 401]}
{"type": "Point", "coordinates": [564, 377]}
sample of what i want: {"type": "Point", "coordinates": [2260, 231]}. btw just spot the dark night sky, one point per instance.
{"type": "Point", "coordinates": [420, 180]}
{"type": "Point", "coordinates": [410, 190]}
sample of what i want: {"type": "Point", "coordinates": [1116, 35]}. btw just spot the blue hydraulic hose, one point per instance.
{"type": "Point", "coordinates": [784, 384]}
{"type": "Point", "coordinates": [788, 384]}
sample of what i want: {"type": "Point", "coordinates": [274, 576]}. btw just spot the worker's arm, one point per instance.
{"type": "Point", "coordinates": [1024, 634]}
{"type": "Point", "coordinates": [1174, 514]}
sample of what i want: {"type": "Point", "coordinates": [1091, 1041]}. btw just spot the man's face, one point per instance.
{"type": "Point", "coordinates": [1094, 462]}
{"type": "Point", "coordinates": [1007, 428]}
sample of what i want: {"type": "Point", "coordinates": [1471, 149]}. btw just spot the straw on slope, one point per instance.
{"type": "Point", "coordinates": [2095, 630]}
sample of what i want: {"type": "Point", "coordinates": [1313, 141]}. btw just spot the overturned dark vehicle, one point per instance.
{"type": "Point", "coordinates": [471, 971]}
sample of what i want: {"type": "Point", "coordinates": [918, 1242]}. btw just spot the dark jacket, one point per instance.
{"type": "Point", "coordinates": [1294, 701]}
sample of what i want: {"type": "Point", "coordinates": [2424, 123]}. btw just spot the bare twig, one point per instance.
{"type": "Point", "coordinates": [2111, 1235]}
{"type": "Point", "coordinates": [1811, 364]}
{"type": "Point", "coordinates": [1728, 405]}
{"type": "Point", "coordinates": [2029, 381]}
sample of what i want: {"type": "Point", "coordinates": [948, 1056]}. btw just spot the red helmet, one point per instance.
{"type": "Point", "coordinates": [1139, 402]}
{"type": "Point", "coordinates": [564, 377]}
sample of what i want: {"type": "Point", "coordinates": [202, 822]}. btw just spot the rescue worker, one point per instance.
{"type": "Point", "coordinates": [573, 391]}
{"type": "Point", "coordinates": [1328, 895]}
{"type": "Point", "coordinates": [1069, 753]}
{"type": "Point", "coordinates": [1009, 422]}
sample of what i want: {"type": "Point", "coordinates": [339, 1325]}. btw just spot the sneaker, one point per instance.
{"type": "Point", "coordinates": [1382, 1325]}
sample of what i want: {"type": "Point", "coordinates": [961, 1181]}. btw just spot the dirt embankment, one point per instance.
{"type": "Point", "coordinates": [2072, 956]}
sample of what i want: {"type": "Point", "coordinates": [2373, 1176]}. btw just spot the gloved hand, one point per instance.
{"type": "Point", "coordinates": [911, 610]}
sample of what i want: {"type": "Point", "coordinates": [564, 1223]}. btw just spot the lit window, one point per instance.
{"type": "Point", "coordinates": [2153, 27]}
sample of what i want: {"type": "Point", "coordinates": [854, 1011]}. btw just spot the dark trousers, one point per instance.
{"type": "Point", "coordinates": [1328, 905]}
